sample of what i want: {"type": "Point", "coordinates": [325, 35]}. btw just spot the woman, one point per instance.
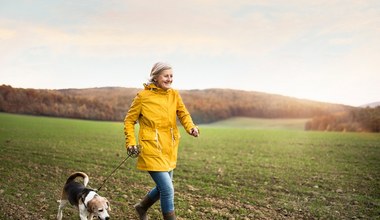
{"type": "Point", "coordinates": [156, 108]}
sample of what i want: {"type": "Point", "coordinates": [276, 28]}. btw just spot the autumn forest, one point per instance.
{"type": "Point", "coordinates": [210, 105]}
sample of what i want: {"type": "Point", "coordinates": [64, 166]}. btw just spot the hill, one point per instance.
{"type": "Point", "coordinates": [358, 119]}
{"type": "Point", "coordinates": [371, 105]}
{"type": "Point", "coordinates": [215, 104]}
{"type": "Point", "coordinates": [112, 103]}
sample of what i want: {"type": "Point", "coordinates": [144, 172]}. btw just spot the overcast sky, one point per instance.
{"type": "Point", "coordinates": [319, 50]}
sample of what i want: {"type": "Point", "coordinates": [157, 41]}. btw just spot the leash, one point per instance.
{"type": "Point", "coordinates": [134, 152]}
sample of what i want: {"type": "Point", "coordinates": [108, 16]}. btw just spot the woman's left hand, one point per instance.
{"type": "Point", "coordinates": [194, 132]}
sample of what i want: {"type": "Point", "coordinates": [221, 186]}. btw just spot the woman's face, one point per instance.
{"type": "Point", "coordinates": [165, 79]}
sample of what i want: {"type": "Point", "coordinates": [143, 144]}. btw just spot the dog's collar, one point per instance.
{"type": "Point", "coordinates": [88, 197]}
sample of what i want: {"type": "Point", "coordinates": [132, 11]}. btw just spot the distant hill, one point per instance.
{"type": "Point", "coordinates": [112, 103]}
{"type": "Point", "coordinates": [212, 105]}
{"type": "Point", "coordinates": [358, 119]}
{"type": "Point", "coordinates": [217, 104]}
{"type": "Point", "coordinates": [116, 98]}
{"type": "Point", "coordinates": [371, 105]}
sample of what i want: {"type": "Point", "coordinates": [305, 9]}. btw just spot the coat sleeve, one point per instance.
{"type": "Point", "coordinates": [184, 115]}
{"type": "Point", "coordinates": [130, 121]}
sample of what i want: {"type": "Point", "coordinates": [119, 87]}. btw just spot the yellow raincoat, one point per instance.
{"type": "Point", "coordinates": [156, 110]}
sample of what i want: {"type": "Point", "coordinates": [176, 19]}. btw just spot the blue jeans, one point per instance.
{"type": "Point", "coordinates": [164, 190]}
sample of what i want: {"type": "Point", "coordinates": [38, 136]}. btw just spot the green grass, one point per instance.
{"type": "Point", "coordinates": [229, 172]}
{"type": "Point", "coordinates": [260, 123]}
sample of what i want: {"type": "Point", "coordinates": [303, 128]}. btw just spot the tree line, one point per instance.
{"type": "Point", "coordinates": [53, 103]}
{"type": "Point", "coordinates": [215, 104]}
{"type": "Point", "coordinates": [205, 106]}
{"type": "Point", "coordinates": [358, 119]}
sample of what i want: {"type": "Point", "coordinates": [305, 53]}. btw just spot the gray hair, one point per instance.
{"type": "Point", "coordinates": [157, 69]}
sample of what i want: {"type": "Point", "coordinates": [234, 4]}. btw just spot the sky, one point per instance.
{"type": "Point", "coordinates": [325, 50]}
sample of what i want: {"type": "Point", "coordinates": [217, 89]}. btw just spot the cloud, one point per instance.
{"type": "Point", "coordinates": [257, 40]}
{"type": "Point", "coordinates": [209, 27]}
{"type": "Point", "coordinates": [6, 34]}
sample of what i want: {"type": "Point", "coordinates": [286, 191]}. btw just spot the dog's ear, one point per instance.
{"type": "Point", "coordinates": [108, 204]}
{"type": "Point", "coordinates": [91, 206]}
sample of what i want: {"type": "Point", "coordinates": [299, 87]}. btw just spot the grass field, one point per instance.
{"type": "Point", "coordinates": [262, 124]}
{"type": "Point", "coordinates": [229, 172]}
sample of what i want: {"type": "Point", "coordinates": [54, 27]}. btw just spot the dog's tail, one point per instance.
{"type": "Point", "coordinates": [75, 175]}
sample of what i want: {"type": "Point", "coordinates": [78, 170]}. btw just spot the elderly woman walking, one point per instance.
{"type": "Point", "coordinates": [156, 109]}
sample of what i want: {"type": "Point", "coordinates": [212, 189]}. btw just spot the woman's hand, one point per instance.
{"type": "Point", "coordinates": [133, 151]}
{"type": "Point", "coordinates": [194, 132]}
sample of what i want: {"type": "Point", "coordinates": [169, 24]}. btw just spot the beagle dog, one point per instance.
{"type": "Point", "coordinates": [88, 202]}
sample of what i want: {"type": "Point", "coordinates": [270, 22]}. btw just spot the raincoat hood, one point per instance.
{"type": "Point", "coordinates": [154, 88]}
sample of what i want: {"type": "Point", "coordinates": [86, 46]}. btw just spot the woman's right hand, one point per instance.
{"type": "Point", "coordinates": [133, 151]}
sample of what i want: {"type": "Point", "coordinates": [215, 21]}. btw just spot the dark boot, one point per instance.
{"type": "Point", "coordinates": [143, 206]}
{"type": "Point", "coordinates": [169, 216]}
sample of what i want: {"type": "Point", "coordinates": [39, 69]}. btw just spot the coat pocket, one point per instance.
{"type": "Point", "coordinates": [149, 143]}
{"type": "Point", "coordinates": [148, 135]}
